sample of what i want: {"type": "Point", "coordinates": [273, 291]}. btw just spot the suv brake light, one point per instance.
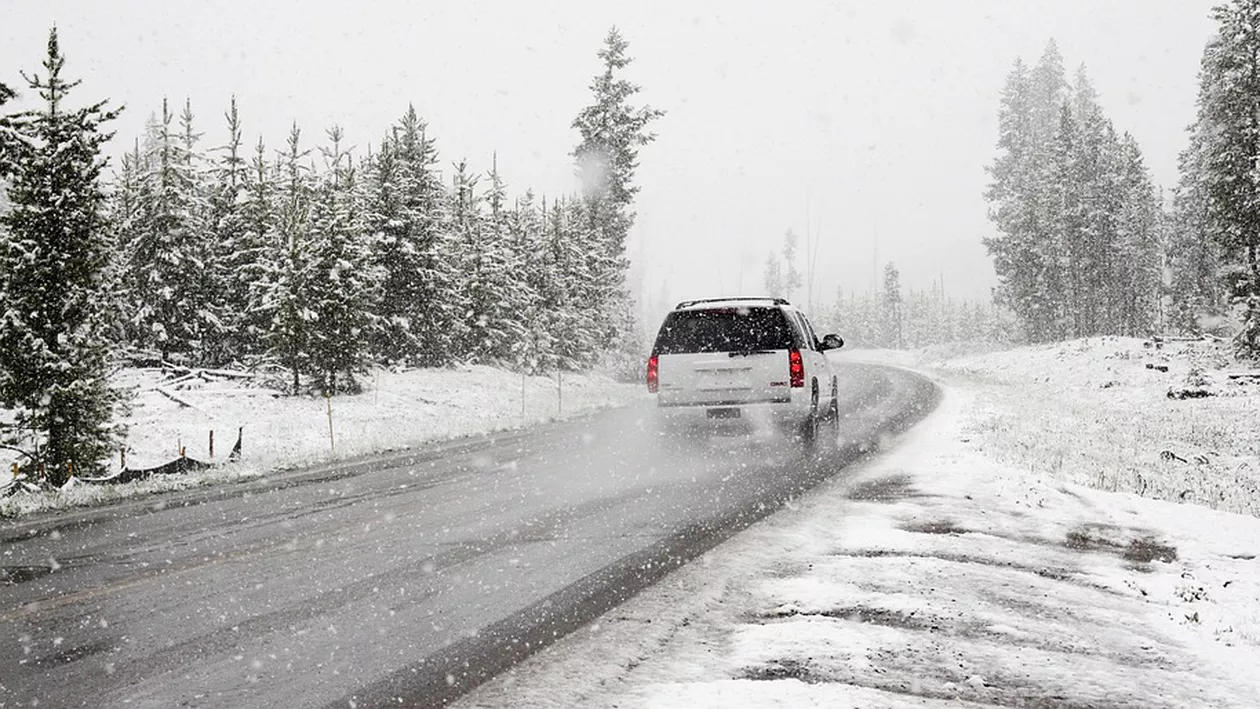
{"type": "Point", "coordinates": [796, 369]}
{"type": "Point", "coordinates": [653, 378]}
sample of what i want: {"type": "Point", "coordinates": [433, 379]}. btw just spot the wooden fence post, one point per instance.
{"type": "Point", "coordinates": [332, 443]}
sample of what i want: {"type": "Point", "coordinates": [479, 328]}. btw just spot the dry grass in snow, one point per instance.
{"type": "Point", "coordinates": [1097, 412]}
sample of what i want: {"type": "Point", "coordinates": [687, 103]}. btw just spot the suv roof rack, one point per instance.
{"type": "Point", "coordinates": [689, 303]}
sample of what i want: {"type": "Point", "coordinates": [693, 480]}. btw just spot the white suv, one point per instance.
{"type": "Point", "coordinates": [742, 360]}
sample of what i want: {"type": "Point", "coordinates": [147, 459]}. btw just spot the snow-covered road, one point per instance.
{"type": "Point", "coordinates": [409, 577]}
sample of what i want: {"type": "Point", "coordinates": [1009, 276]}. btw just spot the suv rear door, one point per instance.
{"type": "Point", "coordinates": [724, 356]}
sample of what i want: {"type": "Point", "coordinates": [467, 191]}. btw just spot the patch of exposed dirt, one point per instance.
{"type": "Point", "coordinates": [1141, 548]}
{"type": "Point", "coordinates": [939, 526]}
{"type": "Point", "coordinates": [784, 669]}
{"type": "Point", "coordinates": [889, 489]}
{"type": "Point", "coordinates": [1147, 549]}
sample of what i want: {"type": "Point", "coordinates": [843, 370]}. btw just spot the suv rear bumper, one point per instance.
{"type": "Point", "coordinates": [721, 415]}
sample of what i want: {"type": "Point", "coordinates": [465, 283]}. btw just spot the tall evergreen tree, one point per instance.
{"type": "Point", "coordinates": [289, 264]}
{"type": "Point", "coordinates": [1138, 268]}
{"type": "Point", "coordinates": [559, 295]}
{"type": "Point", "coordinates": [893, 309]}
{"type": "Point", "coordinates": [342, 283]}
{"type": "Point", "coordinates": [253, 263]}
{"type": "Point", "coordinates": [1228, 110]}
{"type": "Point", "coordinates": [1074, 211]}
{"type": "Point", "coordinates": [170, 288]}
{"type": "Point", "coordinates": [612, 131]}
{"type": "Point", "coordinates": [231, 250]}
{"type": "Point", "coordinates": [469, 260]}
{"type": "Point", "coordinates": [532, 352]}
{"type": "Point", "coordinates": [54, 259]}
{"type": "Point", "coordinates": [1013, 192]}
{"type": "Point", "coordinates": [1030, 188]}
{"type": "Point", "coordinates": [1194, 257]}
{"type": "Point", "coordinates": [406, 213]}
{"type": "Point", "coordinates": [507, 292]}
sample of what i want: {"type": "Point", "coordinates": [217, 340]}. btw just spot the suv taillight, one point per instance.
{"type": "Point", "coordinates": [653, 379]}
{"type": "Point", "coordinates": [796, 369]}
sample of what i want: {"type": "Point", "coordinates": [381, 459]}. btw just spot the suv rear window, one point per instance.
{"type": "Point", "coordinates": [724, 330]}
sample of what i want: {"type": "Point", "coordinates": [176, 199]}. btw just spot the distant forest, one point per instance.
{"type": "Point", "coordinates": [1085, 244]}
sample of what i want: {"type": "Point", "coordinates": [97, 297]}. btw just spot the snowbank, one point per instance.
{"type": "Point", "coordinates": [396, 410]}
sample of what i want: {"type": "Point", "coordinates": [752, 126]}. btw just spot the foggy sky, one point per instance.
{"type": "Point", "coordinates": [866, 117]}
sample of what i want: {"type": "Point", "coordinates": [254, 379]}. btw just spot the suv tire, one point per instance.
{"type": "Point", "coordinates": [809, 427]}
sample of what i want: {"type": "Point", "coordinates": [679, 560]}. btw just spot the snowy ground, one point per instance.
{"type": "Point", "coordinates": [987, 561]}
{"type": "Point", "coordinates": [397, 410]}
{"type": "Point", "coordinates": [1097, 412]}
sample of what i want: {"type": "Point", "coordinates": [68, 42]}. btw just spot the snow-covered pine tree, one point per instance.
{"type": "Point", "coordinates": [1137, 271]}
{"type": "Point", "coordinates": [559, 294]}
{"type": "Point", "coordinates": [507, 286]}
{"type": "Point", "coordinates": [891, 320]}
{"type": "Point", "coordinates": [54, 258]}
{"type": "Point", "coordinates": [437, 321]}
{"type": "Point", "coordinates": [469, 256]}
{"type": "Point", "coordinates": [1228, 104]}
{"type": "Point", "coordinates": [532, 352]}
{"type": "Point", "coordinates": [125, 219]}
{"type": "Point", "coordinates": [591, 276]}
{"type": "Point", "coordinates": [1048, 88]}
{"type": "Point", "coordinates": [254, 262]}
{"type": "Point", "coordinates": [232, 252]}
{"type": "Point", "coordinates": [1028, 189]}
{"type": "Point", "coordinates": [342, 285]}
{"type": "Point", "coordinates": [612, 131]}
{"type": "Point", "coordinates": [406, 212]}
{"type": "Point", "coordinates": [1063, 215]}
{"type": "Point", "coordinates": [1016, 179]}
{"type": "Point", "coordinates": [383, 212]}
{"type": "Point", "coordinates": [170, 290]}
{"type": "Point", "coordinates": [286, 282]}
{"type": "Point", "coordinates": [1194, 257]}
{"type": "Point", "coordinates": [1094, 289]}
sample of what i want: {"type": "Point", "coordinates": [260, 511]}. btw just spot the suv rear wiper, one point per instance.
{"type": "Point", "coordinates": [745, 353]}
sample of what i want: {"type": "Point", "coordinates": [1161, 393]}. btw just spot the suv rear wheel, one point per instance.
{"type": "Point", "coordinates": [809, 427]}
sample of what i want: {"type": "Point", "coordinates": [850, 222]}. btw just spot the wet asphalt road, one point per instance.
{"type": "Point", "coordinates": [403, 580]}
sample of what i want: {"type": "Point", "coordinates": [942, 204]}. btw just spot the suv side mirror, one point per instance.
{"type": "Point", "coordinates": [832, 342]}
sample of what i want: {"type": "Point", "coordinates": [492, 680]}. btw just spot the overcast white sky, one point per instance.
{"type": "Point", "coordinates": [877, 116]}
